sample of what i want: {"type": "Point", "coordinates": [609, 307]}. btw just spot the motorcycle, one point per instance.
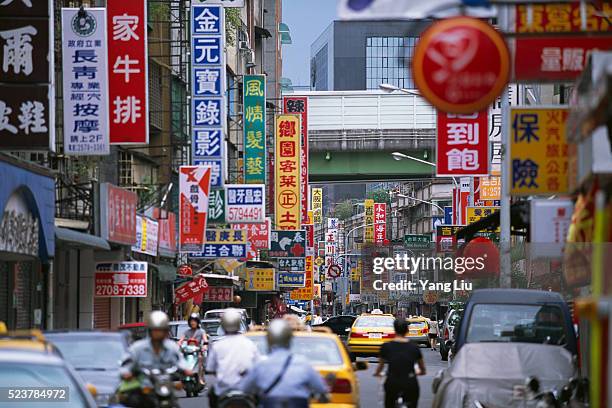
{"type": "Point", "coordinates": [236, 399]}
{"type": "Point", "coordinates": [152, 388]}
{"type": "Point", "coordinates": [191, 383]}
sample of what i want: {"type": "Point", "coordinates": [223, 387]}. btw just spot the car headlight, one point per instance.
{"type": "Point", "coordinates": [102, 400]}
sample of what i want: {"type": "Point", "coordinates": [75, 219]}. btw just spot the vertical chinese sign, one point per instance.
{"type": "Point", "coordinates": [299, 105]}
{"type": "Point", "coordinates": [127, 71]}
{"type": "Point", "coordinates": [380, 223]}
{"type": "Point", "coordinates": [307, 292]}
{"type": "Point", "coordinates": [254, 93]}
{"type": "Point", "coordinates": [317, 205]}
{"type": "Point", "coordinates": [462, 144]}
{"type": "Point", "coordinates": [208, 90]}
{"type": "Point", "coordinates": [369, 221]}
{"type": "Point", "coordinates": [287, 173]}
{"type": "Point", "coordinates": [118, 214]}
{"type": "Point", "coordinates": [26, 69]}
{"type": "Point", "coordinates": [194, 186]}
{"type": "Point", "coordinates": [85, 79]}
{"type": "Point", "coordinates": [538, 151]}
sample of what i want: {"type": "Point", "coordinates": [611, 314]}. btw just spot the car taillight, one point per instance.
{"type": "Point", "coordinates": [446, 334]}
{"type": "Point", "coordinates": [341, 386]}
{"type": "Point", "coordinates": [389, 335]}
{"type": "Point", "coordinates": [426, 330]}
{"type": "Point", "coordinates": [359, 335]}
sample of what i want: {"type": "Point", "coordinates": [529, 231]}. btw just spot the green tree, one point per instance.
{"type": "Point", "coordinates": [343, 210]}
{"type": "Point", "coordinates": [380, 196]}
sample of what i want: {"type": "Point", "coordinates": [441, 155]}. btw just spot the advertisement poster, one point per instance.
{"type": "Point", "coordinates": [299, 105]}
{"type": "Point", "coordinates": [85, 79]}
{"type": "Point", "coordinates": [287, 173]}
{"type": "Point", "coordinates": [462, 144]}
{"type": "Point", "coordinates": [245, 203]}
{"type": "Point", "coordinates": [194, 186]}
{"type": "Point", "coordinates": [121, 279]}
{"type": "Point", "coordinates": [254, 114]}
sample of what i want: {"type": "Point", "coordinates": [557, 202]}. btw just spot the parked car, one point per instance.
{"type": "Point", "coordinates": [516, 316]}
{"type": "Point", "coordinates": [95, 355]}
{"type": "Point", "coordinates": [447, 331]}
{"type": "Point", "coordinates": [339, 325]}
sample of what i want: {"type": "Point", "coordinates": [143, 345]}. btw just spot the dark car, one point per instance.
{"type": "Point", "coordinates": [340, 325]}
{"type": "Point", "coordinates": [517, 316]}
{"type": "Point", "coordinates": [95, 355]}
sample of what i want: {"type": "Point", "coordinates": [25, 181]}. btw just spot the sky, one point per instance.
{"type": "Point", "coordinates": [306, 20]}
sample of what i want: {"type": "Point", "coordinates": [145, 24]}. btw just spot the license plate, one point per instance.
{"type": "Point", "coordinates": [375, 335]}
{"type": "Point", "coordinates": [413, 333]}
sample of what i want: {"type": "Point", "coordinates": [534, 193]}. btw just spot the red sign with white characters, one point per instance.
{"type": "Point", "coordinates": [118, 214]}
{"type": "Point", "coordinates": [190, 289]}
{"type": "Point", "coordinates": [554, 58]}
{"type": "Point", "coordinates": [461, 64]}
{"type": "Point", "coordinates": [299, 105]}
{"type": "Point", "coordinates": [121, 279]}
{"type": "Point", "coordinates": [463, 144]}
{"type": "Point", "coordinates": [380, 223]}
{"type": "Point", "coordinates": [127, 71]}
{"type": "Point", "coordinates": [184, 271]}
{"type": "Point", "coordinates": [258, 237]}
{"type": "Point", "coordinates": [194, 183]}
{"type": "Point", "coordinates": [219, 294]}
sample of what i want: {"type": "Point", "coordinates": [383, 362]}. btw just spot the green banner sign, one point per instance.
{"type": "Point", "coordinates": [254, 96]}
{"type": "Point", "coordinates": [417, 241]}
{"type": "Point", "coordinates": [216, 207]}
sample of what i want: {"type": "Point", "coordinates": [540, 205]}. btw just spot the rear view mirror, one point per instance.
{"type": "Point", "coordinates": [360, 365]}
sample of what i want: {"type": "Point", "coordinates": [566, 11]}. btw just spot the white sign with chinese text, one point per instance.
{"type": "Point", "coordinates": [244, 203]}
{"type": "Point", "coordinates": [85, 80]}
{"type": "Point", "coordinates": [550, 221]}
{"type": "Point", "coordinates": [147, 236]}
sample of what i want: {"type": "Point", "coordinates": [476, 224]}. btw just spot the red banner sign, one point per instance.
{"type": "Point", "coordinates": [118, 214]}
{"type": "Point", "coordinates": [121, 279]}
{"type": "Point", "coordinates": [219, 294]}
{"type": "Point", "coordinates": [194, 184]}
{"type": "Point", "coordinates": [380, 223]}
{"type": "Point", "coordinates": [561, 17]}
{"type": "Point", "coordinates": [166, 231]}
{"type": "Point", "coordinates": [190, 289]}
{"type": "Point", "coordinates": [184, 271]}
{"type": "Point", "coordinates": [127, 71]}
{"type": "Point", "coordinates": [258, 237]}
{"type": "Point", "coordinates": [299, 105]}
{"type": "Point", "coordinates": [554, 58]}
{"type": "Point", "coordinates": [463, 144]}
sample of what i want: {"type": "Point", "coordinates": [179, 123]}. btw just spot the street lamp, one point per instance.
{"type": "Point", "coordinates": [388, 88]}
{"type": "Point", "coordinates": [400, 156]}
{"type": "Point", "coordinates": [421, 201]}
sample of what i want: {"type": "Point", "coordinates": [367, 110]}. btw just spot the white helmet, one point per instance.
{"type": "Point", "coordinates": [230, 321]}
{"type": "Point", "coordinates": [279, 334]}
{"type": "Point", "coordinates": [158, 320]}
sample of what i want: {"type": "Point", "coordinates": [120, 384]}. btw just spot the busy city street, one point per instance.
{"type": "Point", "coordinates": [305, 203]}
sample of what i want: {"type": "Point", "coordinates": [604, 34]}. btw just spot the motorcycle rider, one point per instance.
{"type": "Point", "coordinates": [198, 336]}
{"type": "Point", "coordinates": [155, 351]}
{"type": "Point", "coordinates": [229, 357]}
{"type": "Point", "coordinates": [283, 379]}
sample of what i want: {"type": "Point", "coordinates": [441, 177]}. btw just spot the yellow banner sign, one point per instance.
{"type": "Point", "coordinates": [307, 292]}
{"type": "Point", "coordinates": [369, 220]}
{"type": "Point", "coordinates": [538, 151]}
{"type": "Point", "coordinates": [260, 279]}
{"type": "Point", "coordinates": [287, 173]}
{"type": "Point", "coordinates": [317, 205]}
{"type": "Point", "coordinates": [490, 188]}
{"type": "Point", "coordinates": [476, 213]}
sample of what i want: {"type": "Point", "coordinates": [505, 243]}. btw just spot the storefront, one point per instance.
{"type": "Point", "coordinates": [27, 244]}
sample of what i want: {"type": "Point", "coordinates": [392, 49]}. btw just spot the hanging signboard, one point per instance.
{"type": "Point", "coordinates": [118, 214]}
{"type": "Point", "coordinates": [490, 188]}
{"type": "Point", "coordinates": [223, 243]}
{"type": "Point", "coordinates": [287, 173]}
{"type": "Point", "coordinates": [446, 240]}
{"type": "Point", "coordinates": [128, 71]}
{"type": "Point", "coordinates": [184, 271]}
{"type": "Point", "coordinates": [26, 68]}
{"type": "Point", "coordinates": [216, 206]}
{"type": "Point", "coordinates": [218, 294]}
{"type": "Point", "coordinates": [147, 232]}
{"type": "Point", "coordinates": [166, 232]}
{"type": "Point", "coordinates": [244, 203]}
{"type": "Point", "coordinates": [260, 279]}
{"type": "Point", "coordinates": [538, 150]}
{"type": "Point", "coordinates": [208, 90]}
{"type": "Point", "coordinates": [369, 220]}
{"type": "Point", "coordinates": [190, 289]}
{"type": "Point", "coordinates": [292, 264]}
{"type": "Point", "coordinates": [121, 279]}
{"type": "Point", "coordinates": [417, 241]}
{"type": "Point", "coordinates": [562, 17]}
{"type": "Point", "coordinates": [380, 221]}
{"type": "Point", "coordinates": [549, 224]}
{"type": "Point", "coordinates": [254, 119]}
{"type": "Point", "coordinates": [85, 79]}
{"type": "Point", "coordinates": [474, 214]}
{"type": "Point", "coordinates": [461, 64]}
{"type": "Point", "coordinates": [317, 205]}
{"type": "Point", "coordinates": [194, 186]}
{"type": "Point", "coordinates": [305, 293]}
{"type": "Point", "coordinates": [287, 244]}
{"type": "Point", "coordinates": [462, 144]}
{"type": "Point", "coordinates": [291, 279]}
{"type": "Point", "coordinates": [258, 237]}
{"type": "Point", "coordinates": [299, 105]}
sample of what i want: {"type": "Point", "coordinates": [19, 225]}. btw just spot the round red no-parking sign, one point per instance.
{"type": "Point", "coordinates": [461, 64]}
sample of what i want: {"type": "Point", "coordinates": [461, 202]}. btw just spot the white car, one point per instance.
{"type": "Point", "coordinates": [446, 332]}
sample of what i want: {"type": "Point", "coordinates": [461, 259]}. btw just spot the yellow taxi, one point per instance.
{"type": "Point", "coordinates": [27, 340]}
{"type": "Point", "coordinates": [369, 332]}
{"type": "Point", "coordinates": [328, 356]}
{"type": "Point", "coordinates": [418, 329]}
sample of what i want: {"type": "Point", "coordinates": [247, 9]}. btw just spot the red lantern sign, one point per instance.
{"type": "Point", "coordinates": [461, 64]}
{"type": "Point", "coordinates": [184, 271]}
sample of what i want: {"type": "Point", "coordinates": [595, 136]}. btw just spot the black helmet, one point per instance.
{"type": "Point", "coordinates": [194, 316]}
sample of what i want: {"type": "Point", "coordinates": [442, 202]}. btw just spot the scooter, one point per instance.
{"type": "Point", "coordinates": [159, 394]}
{"type": "Point", "coordinates": [191, 383]}
{"type": "Point", "coordinates": [236, 399]}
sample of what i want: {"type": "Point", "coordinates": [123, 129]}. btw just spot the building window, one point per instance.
{"type": "Point", "coordinates": [388, 61]}
{"type": "Point", "coordinates": [319, 72]}
{"type": "Point", "coordinates": [126, 176]}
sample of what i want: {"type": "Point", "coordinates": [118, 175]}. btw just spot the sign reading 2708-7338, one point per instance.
{"type": "Point", "coordinates": [245, 203]}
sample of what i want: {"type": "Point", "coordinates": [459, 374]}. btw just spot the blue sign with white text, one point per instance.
{"type": "Point", "coordinates": [221, 251]}
{"type": "Point", "coordinates": [207, 81]}
{"type": "Point", "coordinates": [208, 143]}
{"type": "Point", "coordinates": [448, 215]}
{"type": "Point", "coordinates": [291, 279]}
{"type": "Point", "coordinates": [206, 19]}
{"type": "Point", "coordinates": [207, 51]}
{"type": "Point", "coordinates": [216, 170]}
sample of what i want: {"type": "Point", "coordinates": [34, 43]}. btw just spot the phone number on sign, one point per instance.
{"type": "Point", "coordinates": [121, 290]}
{"type": "Point", "coordinates": [245, 214]}
{"type": "Point", "coordinates": [27, 394]}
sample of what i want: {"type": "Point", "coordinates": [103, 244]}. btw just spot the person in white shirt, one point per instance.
{"type": "Point", "coordinates": [230, 357]}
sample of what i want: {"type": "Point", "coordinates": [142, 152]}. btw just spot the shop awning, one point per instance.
{"type": "Point", "coordinates": [80, 239]}
{"type": "Point", "coordinates": [167, 273]}
{"type": "Point", "coordinates": [519, 219]}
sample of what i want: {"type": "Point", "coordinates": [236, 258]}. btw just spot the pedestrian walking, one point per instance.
{"type": "Point", "coordinates": [433, 332]}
